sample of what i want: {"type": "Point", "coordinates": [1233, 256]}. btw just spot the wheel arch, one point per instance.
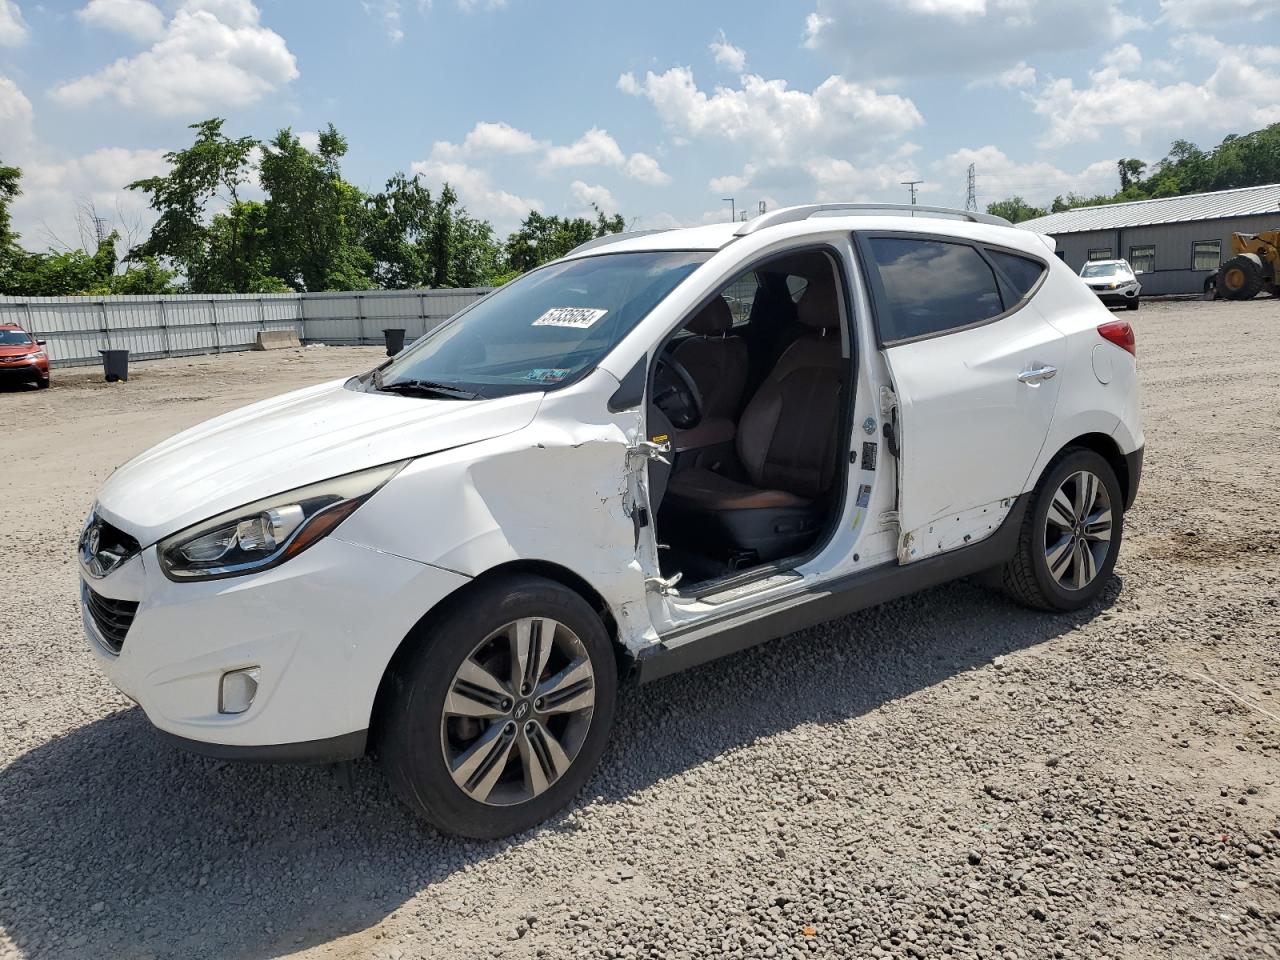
{"type": "Point", "coordinates": [540, 568]}
{"type": "Point", "coordinates": [1105, 446]}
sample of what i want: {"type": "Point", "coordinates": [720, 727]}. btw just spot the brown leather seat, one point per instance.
{"type": "Point", "coordinates": [788, 446]}
{"type": "Point", "coordinates": [716, 361]}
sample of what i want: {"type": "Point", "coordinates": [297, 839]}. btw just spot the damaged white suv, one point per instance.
{"type": "Point", "coordinates": [656, 451]}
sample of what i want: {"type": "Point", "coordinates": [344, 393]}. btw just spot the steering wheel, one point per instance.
{"type": "Point", "coordinates": [676, 394]}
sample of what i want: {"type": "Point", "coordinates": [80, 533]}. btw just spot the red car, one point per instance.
{"type": "Point", "coordinates": [22, 357]}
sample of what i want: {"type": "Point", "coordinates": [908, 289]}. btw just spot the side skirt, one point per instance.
{"type": "Point", "coordinates": [721, 636]}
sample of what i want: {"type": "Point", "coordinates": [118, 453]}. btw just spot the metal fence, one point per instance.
{"type": "Point", "coordinates": [76, 328]}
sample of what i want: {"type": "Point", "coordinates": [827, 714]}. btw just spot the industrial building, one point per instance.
{"type": "Point", "coordinates": [1174, 242]}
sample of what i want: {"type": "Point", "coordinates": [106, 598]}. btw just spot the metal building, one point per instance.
{"type": "Point", "coordinates": [1175, 242]}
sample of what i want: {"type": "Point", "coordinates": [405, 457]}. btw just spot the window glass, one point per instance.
{"type": "Point", "coordinates": [1112, 269]}
{"type": "Point", "coordinates": [931, 287]}
{"type": "Point", "coordinates": [11, 337]}
{"type": "Point", "coordinates": [1206, 255]}
{"type": "Point", "coordinates": [1142, 259]}
{"type": "Point", "coordinates": [1022, 272]}
{"type": "Point", "coordinates": [740, 295]}
{"type": "Point", "coordinates": [547, 327]}
{"type": "Point", "coordinates": [1062, 255]}
{"type": "Point", "coordinates": [1099, 253]}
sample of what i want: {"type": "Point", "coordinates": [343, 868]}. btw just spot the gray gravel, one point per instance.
{"type": "Point", "coordinates": [947, 776]}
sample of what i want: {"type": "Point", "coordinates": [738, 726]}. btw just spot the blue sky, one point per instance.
{"type": "Point", "coordinates": [655, 109]}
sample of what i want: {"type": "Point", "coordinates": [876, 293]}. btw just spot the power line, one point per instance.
{"type": "Point", "coordinates": [911, 185]}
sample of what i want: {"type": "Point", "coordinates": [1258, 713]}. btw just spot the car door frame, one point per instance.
{"type": "Point", "coordinates": [975, 521]}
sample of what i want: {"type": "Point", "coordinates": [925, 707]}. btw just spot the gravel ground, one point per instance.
{"type": "Point", "coordinates": [949, 775]}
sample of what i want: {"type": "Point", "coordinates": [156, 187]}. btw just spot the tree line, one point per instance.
{"type": "Point", "coordinates": [311, 230]}
{"type": "Point", "coordinates": [1247, 160]}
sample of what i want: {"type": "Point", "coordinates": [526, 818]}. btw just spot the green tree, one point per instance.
{"type": "Point", "coordinates": [542, 239]}
{"type": "Point", "coordinates": [212, 171]}
{"type": "Point", "coordinates": [314, 217]}
{"type": "Point", "coordinates": [1014, 209]}
{"type": "Point", "coordinates": [1130, 171]}
{"type": "Point", "coordinates": [10, 190]}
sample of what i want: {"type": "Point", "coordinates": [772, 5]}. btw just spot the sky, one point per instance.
{"type": "Point", "coordinates": [658, 110]}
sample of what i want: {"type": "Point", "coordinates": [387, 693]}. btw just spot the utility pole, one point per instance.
{"type": "Point", "coordinates": [911, 185]}
{"type": "Point", "coordinates": [733, 208]}
{"type": "Point", "coordinates": [100, 229]}
{"type": "Point", "coordinates": [763, 207]}
{"type": "Point", "coordinates": [971, 198]}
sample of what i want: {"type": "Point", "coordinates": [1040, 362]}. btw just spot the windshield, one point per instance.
{"type": "Point", "coordinates": [546, 328]}
{"type": "Point", "coordinates": [1104, 270]}
{"type": "Point", "coordinates": [9, 337]}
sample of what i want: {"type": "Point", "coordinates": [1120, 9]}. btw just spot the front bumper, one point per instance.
{"type": "Point", "coordinates": [321, 628]}
{"type": "Point", "coordinates": [1116, 298]}
{"type": "Point", "coordinates": [29, 370]}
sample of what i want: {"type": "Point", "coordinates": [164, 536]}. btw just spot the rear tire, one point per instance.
{"type": "Point", "coordinates": [473, 737]}
{"type": "Point", "coordinates": [1070, 535]}
{"type": "Point", "coordinates": [1240, 278]}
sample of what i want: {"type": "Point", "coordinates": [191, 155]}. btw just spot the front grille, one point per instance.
{"type": "Point", "coordinates": [112, 617]}
{"type": "Point", "coordinates": [104, 547]}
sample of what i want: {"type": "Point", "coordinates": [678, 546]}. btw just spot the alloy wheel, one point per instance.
{"type": "Point", "coordinates": [1078, 528]}
{"type": "Point", "coordinates": [518, 710]}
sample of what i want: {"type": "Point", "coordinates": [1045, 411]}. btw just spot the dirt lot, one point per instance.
{"type": "Point", "coordinates": [948, 775]}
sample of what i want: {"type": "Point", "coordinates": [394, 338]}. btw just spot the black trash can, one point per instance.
{"type": "Point", "coordinates": [395, 341]}
{"type": "Point", "coordinates": [115, 364]}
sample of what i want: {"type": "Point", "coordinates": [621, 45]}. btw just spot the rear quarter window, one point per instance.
{"type": "Point", "coordinates": [1021, 273]}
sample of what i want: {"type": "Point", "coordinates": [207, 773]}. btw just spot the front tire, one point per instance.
{"type": "Point", "coordinates": [1240, 278]}
{"type": "Point", "coordinates": [502, 708]}
{"type": "Point", "coordinates": [1070, 534]}
{"type": "Point", "coordinates": [1133, 304]}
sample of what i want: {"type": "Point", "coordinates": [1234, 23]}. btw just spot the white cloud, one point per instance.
{"type": "Point", "coordinates": [1240, 92]}
{"type": "Point", "coordinates": [957, 36]}
{"type": "Point", "coordinates": [17, 119]}
{"type": "Point", "coordinates": [1017, 76]}
{"type": "Point", "coordinates": [476, 190]}
{"type": "Point", "coordinates": [600, 197]}
{"type": "Point", "coordinates": [1037, 182]}
{"type": "Point", "coordinates": [13, 29]}
{"type": "Point", "coordinates": [213, 54]}
{"type": "Point", "coordinates": [388, 11]}
{"type": "Point", "coordinates": [140, 19]}
{"type": "Point", "coordinates": [1201, 13]}
{"type": "Point", "coordinates": [732, 182]}
{"type": "Point", "coordinates": [837, 180]}
{"type": "Point", "coordinates": [596, 148]}
{"type": "Point", "coordinates": [1125, 58]}
{"type": "Point", "coordinates": [491, 138]}
{"type": "Point", "coordinates": [727, 55]}
{"type": "Point", "coordinates": [775, 122]}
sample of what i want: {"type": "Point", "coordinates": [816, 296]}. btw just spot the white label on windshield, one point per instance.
{"type": "Point", "coordinates": [580, 317]}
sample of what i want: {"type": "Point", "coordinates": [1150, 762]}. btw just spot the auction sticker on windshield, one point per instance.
{"type": "Point", "coordinates": [580, 317]}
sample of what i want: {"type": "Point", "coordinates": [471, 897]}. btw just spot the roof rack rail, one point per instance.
{"type": "Point", "coordinates": [609, 238]}
{"type": "Point", "coordinates": [805, 211]}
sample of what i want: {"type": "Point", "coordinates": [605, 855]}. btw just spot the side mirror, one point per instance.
{"type": "Point", "coordinates": [39, 343]}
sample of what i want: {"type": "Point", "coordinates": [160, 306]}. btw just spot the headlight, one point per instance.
{"type": "Point", "coordinates": [262, 535]}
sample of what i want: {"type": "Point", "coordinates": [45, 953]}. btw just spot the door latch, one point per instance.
{"type": "Point", "coordinates": [651, 450]}
{"type": "Point", "coordinates": [663, 586]}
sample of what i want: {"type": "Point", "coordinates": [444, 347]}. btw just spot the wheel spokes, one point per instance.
{"type": "Point", "coordinates": [570, 690]}
{"type": "Point", "coordinates": [1059, 557]}
{"type": "Point", "coordinates": [1097, 526]}
{"type": "Point", "coordinates": [481, 764]}
{"type": "Point", "coordinates": [477, 693]}
{"type": "Point", "coordinates": [531, 642]}
{"type": "Point", "coordinates": [544, 758]}
{"type": "Point", "coordinates": [1062, 512]}
{"type": "Point", "coordinates": [1086, 494]}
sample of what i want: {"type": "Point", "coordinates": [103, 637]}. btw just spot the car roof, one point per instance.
{"type": "Point", "coordinates": [825, 218]}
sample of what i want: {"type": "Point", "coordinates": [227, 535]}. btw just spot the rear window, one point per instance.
{"type": "Point", "coordinates": [1022, 273]}
{"type": "Point", "coordinates": [930, 287]}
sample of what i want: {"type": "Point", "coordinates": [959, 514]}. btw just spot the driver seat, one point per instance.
{"type": "Point", "coordinates": [716, 361]}
{"type": "Point", "coordinates": [788, 446]}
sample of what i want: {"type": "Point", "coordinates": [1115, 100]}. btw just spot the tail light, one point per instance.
{"type": "Point", "coordinates": [1120, 332]}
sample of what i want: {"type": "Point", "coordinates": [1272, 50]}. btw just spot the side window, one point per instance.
{"type": "Point", "coordinates": [1022, 273]}
{"type": "Point", "coordinates": [1099, 253]}
{"type": "Point", "coordinates": [1142, 259]}
{"type": "Point", "coordinates": [1206, 255]}
{"type": "Point", "coordinates": [931, 286]}
{"type": "Point", "coordinates": [740, 295]}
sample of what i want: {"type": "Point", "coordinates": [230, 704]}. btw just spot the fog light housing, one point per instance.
{"type": "Point", "coordinates": [237, 690]}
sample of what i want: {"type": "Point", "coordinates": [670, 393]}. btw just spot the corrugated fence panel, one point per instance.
{"type": "Point", "coordinates": [76, 328]}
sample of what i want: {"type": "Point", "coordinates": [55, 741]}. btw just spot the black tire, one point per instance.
{"type": "Point", "coordinates": [413, 731]}
{"type": "Point", "coordinates": [1133, 304]}
{"type": "Point", "coordinates": [1027, 577]}
{"type": "Point", "coordinates": [43, 384]}
{"type": "Point", "coordinates": [1244, 285]}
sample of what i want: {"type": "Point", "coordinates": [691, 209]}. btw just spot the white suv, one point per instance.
{"type": "Point", "coordinates": [656, 451]}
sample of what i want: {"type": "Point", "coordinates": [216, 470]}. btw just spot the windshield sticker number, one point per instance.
{"type": "Point", "coordinates": [579, 317]}
{"type": "Point", "coordinates": [547, 374]}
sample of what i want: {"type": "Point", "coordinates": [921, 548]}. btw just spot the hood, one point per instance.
{"type": "Point", "coordinates": [18, 349]}
{"type": "Point", "coordinates": [290, 441]}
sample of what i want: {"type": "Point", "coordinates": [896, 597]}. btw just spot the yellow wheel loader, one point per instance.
{"type": "Point", "coordinates": [1254, 266]}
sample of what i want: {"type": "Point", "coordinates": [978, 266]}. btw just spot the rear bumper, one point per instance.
{"type": "Point", "coordinates": [1133, 465]}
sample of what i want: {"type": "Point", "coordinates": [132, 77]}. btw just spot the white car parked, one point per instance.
{"type": "Point", "coordinates": [1114, 282]}
{"type": "Point", "coordinates": [604, 471]}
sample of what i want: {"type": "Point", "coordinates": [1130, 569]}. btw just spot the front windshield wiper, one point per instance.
{"type": "Point", "coordinates": [423, 388]}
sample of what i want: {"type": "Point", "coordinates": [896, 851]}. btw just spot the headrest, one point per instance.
{"type": "Point", "coordinates": [712, 320]}
{"type": "Point", "coordinates": [817, 306]}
